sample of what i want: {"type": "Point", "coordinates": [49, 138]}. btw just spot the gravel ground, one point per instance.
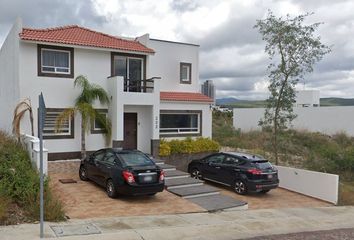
{"type": "Point", "coordinates": [337, 234]}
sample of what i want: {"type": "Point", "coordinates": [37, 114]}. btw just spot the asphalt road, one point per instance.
{"type": "Point", "coordinates": [337, 234]}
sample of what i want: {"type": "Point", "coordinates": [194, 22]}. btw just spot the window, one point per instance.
{"type": "Point", "coordinates": [180, 123]}
{"type": "Point", "coordinates": [55, 61]}
{"type": "Point", "coordinates": [96, 126]}
{"type": "Point", "coordinates": [186, 73]}
{"type": "Point", "coordinates": [66, 130]}
{"type": "Point", "coordinates": [215, 159]}
{"type": "Point", "coordinates": [231, 161]}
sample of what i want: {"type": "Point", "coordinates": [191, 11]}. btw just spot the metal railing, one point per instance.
{"type": "Point", "coordinates": [144, 85]}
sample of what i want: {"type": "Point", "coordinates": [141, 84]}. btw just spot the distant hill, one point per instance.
{"type": "Point", "coordinates": [237, 103]}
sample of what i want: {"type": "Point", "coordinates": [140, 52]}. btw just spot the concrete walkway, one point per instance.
{"type": "Point", "coordinates": [219, 225]}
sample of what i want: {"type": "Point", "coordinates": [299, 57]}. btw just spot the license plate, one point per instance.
{"type": "Point", "coordinates": [147, 178]}
{"type": "Point", "coordinates": [270, 176]}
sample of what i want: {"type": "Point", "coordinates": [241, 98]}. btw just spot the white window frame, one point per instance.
{"type": "Point", "coordinates": [55, 68]}
{"type": "Point", "coordinates": [182, 130]}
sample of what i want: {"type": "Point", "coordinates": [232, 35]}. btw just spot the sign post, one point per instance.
{"type": "Point", "coordinates": [41, 119]}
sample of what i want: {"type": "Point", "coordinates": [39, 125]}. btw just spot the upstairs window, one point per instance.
{"type": "Point", "coordinates": [55, 61]}
{"type": "Point", "coordinates": [185, 73]}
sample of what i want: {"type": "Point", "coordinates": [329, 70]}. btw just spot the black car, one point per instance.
{"type": "Point", "coordinates": [244, 172]}
{"type": "Point", "coordinates": [128, 172]}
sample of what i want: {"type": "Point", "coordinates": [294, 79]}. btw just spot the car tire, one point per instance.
{"type": "Point", "coordinates": [240, 187]}
{"type": "Point", "coordinates": [83, 173]}
{"type": "Point", "coordinates": [111, 189]}
{"type": "Point", "coordinates": [196, 174]}
{"type": "Point", "coordinates": [264, 191]}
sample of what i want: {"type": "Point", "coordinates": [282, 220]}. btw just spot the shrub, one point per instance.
{"type": "Point", "coordinates": [4, 203]}
{"type": "Point", "coordinates": [188, 146]}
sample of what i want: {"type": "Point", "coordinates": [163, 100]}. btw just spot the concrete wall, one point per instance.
{"type": "Point", "coordinates": [166, 64]}
{"type": "Point", "coordinates": [319, 185]}
{"type": "Point", "coordinates": [206, 114]}
{"type": "Point", "coordinates": [307, 98]}
{"type": "Point", "coordinates": [9, 77]}
{"type": "Point", "coordinates": [329, 120]}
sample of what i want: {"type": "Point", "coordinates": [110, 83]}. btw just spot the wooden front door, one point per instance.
{"type": "Point", "coordinates": [130, 131]}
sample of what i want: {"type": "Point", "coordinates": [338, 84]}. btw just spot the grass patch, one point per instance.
{"type": "Point", "coordinates": [19, 184]}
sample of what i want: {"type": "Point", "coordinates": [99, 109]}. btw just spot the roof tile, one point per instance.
{"type": "Point", "coordinates": [76, 35]}
{"type": "Point", "coordinates": [184, 96]}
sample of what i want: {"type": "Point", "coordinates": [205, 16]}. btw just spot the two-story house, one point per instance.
{"type": "Point", "coordinates": [153, 86]}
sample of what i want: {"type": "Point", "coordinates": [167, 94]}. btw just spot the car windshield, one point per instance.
{"type": "Point", "coordinates": [135, 159]}
{"type": "Point", "coordinates": [263, 164]}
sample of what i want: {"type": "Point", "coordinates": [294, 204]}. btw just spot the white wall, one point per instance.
{"type": "Point", "coordinates": [206, 113]}
{"type": "Point", "coordinates": [328, 120]}
{"type": "Point", "coordinates": [308, 98]}
{"type": "Point", "coordinates": [9, 77]}
{"type": "Point", "coordinates": [165, 63]}
{"type": "Point", "coordinates": [319, 185]}
{"type": "Point", "coordinates": [60, 92]}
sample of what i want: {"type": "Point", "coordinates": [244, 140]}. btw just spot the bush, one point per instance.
{"type": "Point", "coordinates": [188, 146]}
{"type": "Point", "coordinates": [19, 182]}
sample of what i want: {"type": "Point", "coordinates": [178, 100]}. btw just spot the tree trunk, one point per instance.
{"type": "Point", "coordinates": [83, 142]}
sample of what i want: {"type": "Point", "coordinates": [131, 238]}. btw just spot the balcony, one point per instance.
{"type": "Point", "coordinates": [143, 86]}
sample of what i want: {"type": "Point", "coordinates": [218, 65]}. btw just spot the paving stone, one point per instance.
{"type": "Point", "coordinates": [75, 229]}
{"type": "Point", "coordinates": [174, 182]}
{"type": "Point", "coordinates": [194, 190]}
{"type": "Point", "coordinates": [175, 173]}
{"type": "Point", "coordinates": [217, 202]}
{"type": "Point", "coordinates": [167, 167]}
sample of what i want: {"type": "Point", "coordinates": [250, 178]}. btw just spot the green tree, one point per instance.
{"type": "Point", "coordinates": [84, 106]}
{"type": "Point", "coordinates": [293, 50]}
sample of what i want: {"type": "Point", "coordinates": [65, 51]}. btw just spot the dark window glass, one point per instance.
{"type": "Point", "coordinates": [135, 69]}
{"type": "Point", "coordinates": [215, 159]}
{"type": "Point", "coordinates": [179, 123]}
{"type": "Point", "coordinates": [120, 66]}
{"type": "Point", "coordinates": [263, 164]}
{"type": "Point", "coordinates": [55, 61]}
{"type": "Point", "coordinates": [135, 159]}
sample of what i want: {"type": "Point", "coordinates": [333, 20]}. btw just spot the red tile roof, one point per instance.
{"type": "Point", "coordinates": [184, 96]}
{"type": "Point", "coordinates": [75, 35]}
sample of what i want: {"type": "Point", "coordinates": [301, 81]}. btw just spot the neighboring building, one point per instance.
{"type": "Point", "coordinates": [143, 107]}
{"type": "Point", "coordinates": [208, 89]}
{"type": "Point", "coordinates": [307, 98]}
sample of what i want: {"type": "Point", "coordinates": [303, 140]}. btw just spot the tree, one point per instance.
{"type": "Point", "coordinates": [84, 106]}
{"type": "Point", "coordinates": [293, 50]}
{"type": "Point", "coordinates": [19, 112]}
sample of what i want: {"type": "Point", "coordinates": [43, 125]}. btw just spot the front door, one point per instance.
{"type": "Point", "coordinates": [130, 131]}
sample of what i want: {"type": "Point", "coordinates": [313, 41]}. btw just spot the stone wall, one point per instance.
{"type": "Point", "coordinates": [181, 161]}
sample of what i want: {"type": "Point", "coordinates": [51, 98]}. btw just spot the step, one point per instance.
{"type": "Point", "coordinates": [182, 182]}
{"type": "Point", "coordinates": [167, 167]}
{"type": "Point", "coordinates": [194, 191]}
{"type": "Point", "coordinates": [158, 161]}
{"type": "Point", "coordinates": [219, 202]}
{"type": "Point", "coordinates": [175, 174]}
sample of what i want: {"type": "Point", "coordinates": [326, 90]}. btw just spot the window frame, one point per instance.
{"type": "Point", "coordinates": [182, 112]}
{"type": "Point", "coordinates": [60, 135]}
{"type": "Point", "coordinates": [42, 73]}
{"type": "Point", "coordinates": [185, 81]}
{"type": "Point", "coordinates": [99, 130]}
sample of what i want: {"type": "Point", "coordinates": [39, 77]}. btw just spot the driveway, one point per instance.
{"type": "Point", "coordinates": [88, 200]}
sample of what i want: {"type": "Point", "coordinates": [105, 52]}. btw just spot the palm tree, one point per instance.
{"type": "Point", "coordinates": [84, 106]}
{"type": "Point", "coordinates": [20, 110]}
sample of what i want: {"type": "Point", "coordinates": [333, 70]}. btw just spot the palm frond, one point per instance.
{"type": "Point", "coordinates": [106, 125]}
{"type": "Point", "coordinates": [19, 112]}
{"type": "Point", "coordinates": [100, 94]}
{"type": "Point", "coordinates": [87, 113]}
{"type": "Point", "coordinates": [63, 117]}
{"type": "Point", "coordinates": [82, 82]}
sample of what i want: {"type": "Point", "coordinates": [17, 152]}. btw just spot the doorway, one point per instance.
{"type": "Point", "coordinates": [130, 130]}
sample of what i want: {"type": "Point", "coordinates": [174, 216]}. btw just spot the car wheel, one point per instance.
{"type": "Point", "coordinates": [240, 187]}
{"type": "Point", "coordinates": [264, 191]}
{"type": "Point", "coordinates": [196, 174]}
{"type": "Point", "coordinates": [111, 189]}
{"type": "Point", "coordinates": [83, 173]}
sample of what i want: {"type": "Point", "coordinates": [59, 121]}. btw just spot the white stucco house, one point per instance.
{"type": "Point", "coordinates": [153, 86]}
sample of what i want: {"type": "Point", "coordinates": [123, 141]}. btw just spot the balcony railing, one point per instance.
{"type": "Point", "coordinates": [145, 85]}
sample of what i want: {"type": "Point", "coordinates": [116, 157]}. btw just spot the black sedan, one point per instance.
{"type": "Point", "coordinates": [128, 172]}
{"type": "Point", "coordinates": [244, 172]}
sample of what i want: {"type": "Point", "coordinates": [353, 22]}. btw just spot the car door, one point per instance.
{"type": "Point", "coordinates": [93, 164]}
{"type": "Point", "coordinates": [229, 170]}
{"type": "Point", "coordinates": [105, 166]}
{"type": "Point", "coordinates": [212, 166]}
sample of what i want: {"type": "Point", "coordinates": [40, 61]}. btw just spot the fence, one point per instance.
{"type": "Point", "coordinates": [32, 146]}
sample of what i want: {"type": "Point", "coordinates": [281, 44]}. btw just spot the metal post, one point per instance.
{"type": "Point", "coordinates": [41, 190]}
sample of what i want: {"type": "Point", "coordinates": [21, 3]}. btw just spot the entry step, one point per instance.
{"type": "Point", "coordinates": [182, 182]}
{"type": "Point", "coordinates": [194, 191]}
{"type": "Point", "coordinates": [219, 202]}
{"type": "Point", "coordinates": [167, 167]}
{"type": "Point", "coordinates": [158, 161]}
{"type": "Point", "coordinates": [175, 174]}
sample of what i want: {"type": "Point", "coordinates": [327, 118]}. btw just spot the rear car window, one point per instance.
{"type": "Point", "coordinates": [263, 164]}
{"type": "Point", "coordinates": [135, 159]}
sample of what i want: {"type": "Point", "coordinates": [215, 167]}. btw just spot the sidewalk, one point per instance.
{"type": "Point", "coordinates": [220, 225]}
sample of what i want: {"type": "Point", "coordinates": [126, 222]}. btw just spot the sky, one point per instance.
{"type": "Point", "coordinates": [231, 50]}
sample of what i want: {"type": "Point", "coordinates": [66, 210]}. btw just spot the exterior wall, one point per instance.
{"type": "Point", "coordinates": [310, 183]}
{"type": "Point", "coordinates": [60, 92]}
{"type": "Point", "coordinates": [206, 115]}
{"type": "Point", "coordinates": [307, 98]}
{"type": "Point", "coordinates": [166, 64]}
{"type": "Point", "coordinates": [9, 77]}
{"type": "Point", "coordinates": [328, 120]}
